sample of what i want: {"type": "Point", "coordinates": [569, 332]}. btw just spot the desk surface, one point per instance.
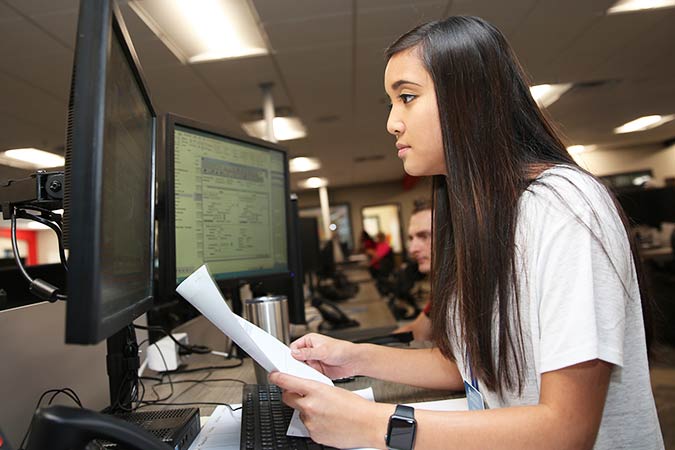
{"type": "Point", "coordinates": [201, 386]}
{"type": "Point", "coordinates": [225, 385]}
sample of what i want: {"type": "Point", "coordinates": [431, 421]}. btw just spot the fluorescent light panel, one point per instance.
{"type": "Point", "coordinates": [303, 164]}
{"type": "Point", "coordinates": [643, 123]}
{"type": "Point", "coordinates": [28, 158]}
{"type": "Point", "coordinates": [313, 183]}
{"type": "Point", "coordinates": [622, 6]}
{"type": "Point", "coordinates": [204, 30]}
{"type": "Point", "coordinates": [547, 94]}
{"type": "Point", "coordinates": [285, 128]}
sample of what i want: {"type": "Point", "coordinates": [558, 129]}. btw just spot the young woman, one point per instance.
{"type": "Point", "coordinates": [537, 311]}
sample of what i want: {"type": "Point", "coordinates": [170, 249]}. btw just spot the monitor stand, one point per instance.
{"type": "Point", "coordinates": [123, 363]}
{"type": "Point", "coordinates": [176, 427]}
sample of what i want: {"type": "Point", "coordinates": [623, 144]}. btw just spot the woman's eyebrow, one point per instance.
{"type": "Point", "coordinates": [397, 84]}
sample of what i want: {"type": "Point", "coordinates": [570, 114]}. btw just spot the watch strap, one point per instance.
{"type": "Point", "coordinates": [407, 412]}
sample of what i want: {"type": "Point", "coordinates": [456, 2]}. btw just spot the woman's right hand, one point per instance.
{"type": "Point", "coordinates": [332, 357]}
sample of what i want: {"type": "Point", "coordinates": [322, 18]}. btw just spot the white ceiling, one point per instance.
{"type": "Point", "coordinates": [327, 68]}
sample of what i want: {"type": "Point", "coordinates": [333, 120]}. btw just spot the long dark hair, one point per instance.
{"type": "Point", "coordinates": [496, 140]}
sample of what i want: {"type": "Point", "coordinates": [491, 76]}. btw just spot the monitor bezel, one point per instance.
{"type": "Point", "coordinates": [100, 21]}
{"type": "Point", "coordinates": [166, 203]}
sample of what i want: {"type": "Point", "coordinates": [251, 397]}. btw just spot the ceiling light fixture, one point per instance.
{"type": "Point", "coordinates": [303, 164]}
{"type": "Point", "coordinates": [28, 158]}
{"type": "Point", "coordinates": [285, 128]}
{"type": "Point", "coordinates": [643, 123]}
{"type": "Point", "coordinates": [204, 30]}
{"type": "Point", "coordinates": [313, 183]}
{"type": "Point", "coordinates": [622, 6]}
{"type": "Point", "coordinates": [578, 149]}
{"type": "Point", "coordinates": [547, 94]}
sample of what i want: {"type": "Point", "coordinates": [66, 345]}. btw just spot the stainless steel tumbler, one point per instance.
{"type": "Point", "coordinates": [269, 313]}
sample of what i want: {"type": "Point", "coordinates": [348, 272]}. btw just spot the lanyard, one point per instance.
{"type": "Point", "coordinates": [474, 380]}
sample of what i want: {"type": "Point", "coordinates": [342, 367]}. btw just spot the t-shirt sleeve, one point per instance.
{"type": "Point", "coordinates": [582, 267]}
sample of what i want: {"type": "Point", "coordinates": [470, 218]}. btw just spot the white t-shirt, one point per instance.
{"type": "Point", "coordinates": [579, 301]}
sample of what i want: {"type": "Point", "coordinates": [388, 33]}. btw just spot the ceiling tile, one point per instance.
{"type": "Point", "coordinates": [588, 56]}
{"type": "Point", "coordinates": [506, 16]}
{"type": "Point", "coordinates": [273, 11]}
{"type": "Point", "coordinates": [238, 82]}
{"type": "Point", "coordinates": [20, 38]}
{"type": "Point", "coordinates": [316, 32]}
{"type": "Point", "coordinates": [392, 22]}
{"type": "Point", "coordinates": [8, 14]}
{"type": "Point", "coordinates": [38, 7]}
{"type": "Point", "coordinates": [60, 24]}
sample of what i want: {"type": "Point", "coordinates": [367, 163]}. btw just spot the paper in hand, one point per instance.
{"type": "Point", "coordinates": [201, 291]}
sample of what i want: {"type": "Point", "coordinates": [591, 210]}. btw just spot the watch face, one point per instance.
{"type": "Point", "coordinates": [401, 433]}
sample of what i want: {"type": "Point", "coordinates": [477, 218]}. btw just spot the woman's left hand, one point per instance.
{"type": "Point", "coordinates": [334, 416]}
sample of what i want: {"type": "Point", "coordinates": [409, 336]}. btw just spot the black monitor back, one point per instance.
{"type": "Point", "coordinates": [291, 286]}
{"type": "Point", "coordinates": [649, 206]}
{"type": "Point", "coordinates": [310, 245]}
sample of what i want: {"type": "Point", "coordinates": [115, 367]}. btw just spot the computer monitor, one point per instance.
{"type": "Point", "coordinates": [109, 203]}
{"type": "Point", "coordinates": [649, 207]}
{"type": "Point", "coordinates": [293, 286]}
{"type": "Point", "coordinates": [225, 202]}
{"type": "Point", "coordinates": [310, 244]}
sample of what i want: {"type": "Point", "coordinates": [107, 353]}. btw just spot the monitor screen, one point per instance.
{"type": "Point", "coordinates": [109, 181]}
{"type": "Point", "coordinates": [230, 203]}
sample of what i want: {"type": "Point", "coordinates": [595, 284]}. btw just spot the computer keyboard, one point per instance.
{"type": "Point", "coordinates": [265, 419]}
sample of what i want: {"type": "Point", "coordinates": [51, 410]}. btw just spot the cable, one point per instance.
{"type": "Point", "coordinates": [166, 366]}
{"type": "Point", "coordinates": [39, 288]}
{"type": "Point", "coordinates": [197, 349]}
{"type": "Point", "coordinates": [70, 393]}
{"type": "Point", "coordinates": [210, 380]}
{"type": "Point", "coordinates": [150, 378]}
{"type": "Point", "coordinates": [199, 369]}
{"type": "Point", "coordinates": [67, 391]}
{"type": "Point", "coordinates": [54, 226]}
{"type": "Point", "coordinates": [15, 248]}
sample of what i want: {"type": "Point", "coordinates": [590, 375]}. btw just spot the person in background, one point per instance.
{"type": "Point", "coordinates": [367, 243]}
{"type": "Point", "coordinates": [539, 311]}
{"type": "Point", "coordinates": [381, 258]}
{"type": "Point", "coordinates": [419, 247]}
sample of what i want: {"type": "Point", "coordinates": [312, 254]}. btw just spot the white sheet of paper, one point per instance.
{"type": "Point", "coordinates": [201, 291]}
{"type": "Point", "coordinates": [220, 432]}
{"type": "Point", "coordinates": [297, 428]}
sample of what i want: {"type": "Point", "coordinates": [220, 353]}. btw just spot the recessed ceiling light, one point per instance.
{"type": "Point", "coordinates": [204, 30]}
{"type": "Point", "coordinates": [577, 149]}
{"type": "Point", "coordinates": [546, 94]}
{"type": "Point", "coordinates": [313, 183]}
{"type": "Point", "coordinates": [644, 123]}
{"type": "Point", "coordinates": [639, 5]}
{"type": "Point", "coordinates": [285, 128]}
{"type": "Point", "coordinates": [303, 164]}
{"type": "Point", "coordinates": [32, 158]}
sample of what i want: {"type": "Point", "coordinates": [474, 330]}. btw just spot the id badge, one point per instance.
{"type": "Point", "coordinates": [473, 397]}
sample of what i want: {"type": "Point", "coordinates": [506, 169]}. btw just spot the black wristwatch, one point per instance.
{"type": "Point", "coordinates": [401, 429]}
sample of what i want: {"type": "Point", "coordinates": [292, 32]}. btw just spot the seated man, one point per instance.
{"type": "Point", "coordinates": [419, 246]}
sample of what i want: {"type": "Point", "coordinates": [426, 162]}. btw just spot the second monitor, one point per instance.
{"type": "Point", "coordinates": [225, 201]}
